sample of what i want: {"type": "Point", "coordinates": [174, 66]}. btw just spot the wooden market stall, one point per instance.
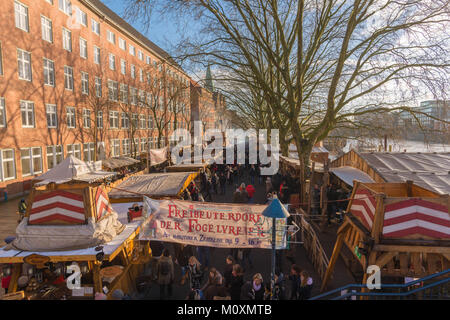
{"type": "Point", "coordinates": [400, 227]}
{"type": "Point", "coordinates": [70, 223]}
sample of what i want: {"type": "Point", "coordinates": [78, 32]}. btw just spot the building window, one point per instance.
{"type": "Point", "coordinates": [70, 117]}
{"type": "Point", "coordinates": [84, 83]}
{"type": "Point", "coordinates": [27, 111]}
{"type": "Point", "coordinates": [89, 151]}
{"type": "Point", "coordinates": [142, 121]}
{"type": "Point", "coordinates": [123, 93]}
{"type": "Point", "coordinates": [143, 145]}
{"type": "Point", "coordinates": [114, 119]}
{"type": "Point", "coordinates": [141, 55]}
{"type": "Point", "coordinates": [21, 14]}
{"type": "Point", "coordinates": [112, 90]}
{"type": "Point", "coordinates": [99, 119]}
{"type": "Point", "coordinates": [24, 62]}
{"type": "Point", "coordinates": [112, 61]}
{"type": "Point", "coordinates": [83, 48]}
{"type": "Point", "coordinates": [81, 17]}
{"type": "Point", "coordinates": [86, 118]}
{"type": "Point", "coordinates": [95, 27]}
{"type": "Point", "coordinates": [111, 37]}
{"type": "Point", "coordinates": [141, 98]}
{"type": "Point", "coordinates": [122, 44]}
{"type": "Point", "coordinates": [133, 71]}
{"type": "Point", "coordinates": [125, 121]}
{"type": "Point", "coordinates": [47, 32]}
{"type": "Point", "coordinates": [148, 60]}
{"type": "Point", "coordinates": [98, 87]}
{"type": "Point", "coordinates": [141, 75]}
{"type": "Point", "coordinates": [54, 156]}
{"type": "Point", "coordinates": [74, 150]}
{"type": "Point", "coordinates": [68, 78]}
{"type": "Point", "coordinates": [67, 39]}
{"type": "Point", "coordinates": [115, 147]}
{"type": "Point", "coordinates": [126, 146]}
{"type": "Point", "coordinates": [2, 113]}
{"type": "Point", "coordinates": [65, 6]}
{"type": "Point", "coordinates": [134, 120]}
{"type": "Point", "coordinates": [132, 50]}
{"type": "Point", "coordinates": [8, 165]}
{"type": "Point", "coordinates": [96, 55]}
{"type": "Point", "coordinates": [123, 66]}
{"type": "Point", "coordinates": [135, 146]}
{"type": "Point", "coordinates": [31, 159]}
{"type": "Point", "coordinates": [52, 119]}
{"type": "Point", "coordinates": [49, 72]}
{"type": "Point", "coordinates": [134, 96]}
{"type": "Point", "coordinates": [150, 122]}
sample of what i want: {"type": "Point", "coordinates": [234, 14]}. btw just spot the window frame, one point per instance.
{"type": "Point", "coordinates": [53, 113]}
{"type": "Point", "coordinates": [27, 110]}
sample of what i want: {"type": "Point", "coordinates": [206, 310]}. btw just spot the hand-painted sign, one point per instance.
{"type": "Point", "coordinates": [220, 225]}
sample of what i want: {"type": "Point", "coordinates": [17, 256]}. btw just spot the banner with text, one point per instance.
{"type": "Point", "coordinates": [220, 225]}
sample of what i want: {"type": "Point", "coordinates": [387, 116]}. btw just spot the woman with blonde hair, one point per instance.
{"type": "Point", "coordinates": [253, 290]}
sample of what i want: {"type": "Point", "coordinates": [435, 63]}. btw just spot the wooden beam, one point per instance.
{"type": "Point", "coordinates": [385, 258]}
{"type": "Point", "coordinates": [333, 259]}
{"type": "Point", "coordinates": [441, 250]}
{"type": "Point", "coordinates": [98, 286]}
{"type": "Point", "coordinates": [17, 270]}
{"type": "Point", "coordinates": [377, 227]}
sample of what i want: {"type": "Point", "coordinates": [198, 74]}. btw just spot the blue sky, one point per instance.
{"type": "Point", "coordinates": [162, 32]}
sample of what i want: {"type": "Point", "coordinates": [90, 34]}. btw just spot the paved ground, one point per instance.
{"type": "Point", "coordinates": [8, 219]}
{"type": "Point", "coordinates": [261, 257]}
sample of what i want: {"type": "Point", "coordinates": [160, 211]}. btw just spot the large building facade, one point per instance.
{"type": "Point", "coordinates": [76, 79]}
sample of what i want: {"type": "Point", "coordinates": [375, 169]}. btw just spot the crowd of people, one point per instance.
{"type": "Point", "coordinates": [207, 282]}
{"type": "Point", "coordinates": [227, 284]}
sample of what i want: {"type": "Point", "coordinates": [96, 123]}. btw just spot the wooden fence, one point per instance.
{"type": "Point", "coordinates": [312, 246]}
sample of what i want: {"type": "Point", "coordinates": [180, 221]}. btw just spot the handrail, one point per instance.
{"type": "Point", "coordinates": [393, 294]}
{"type": "Point", "coordinates": [314, 248]}
{"type": "Point", "coordinates": [383, 286]}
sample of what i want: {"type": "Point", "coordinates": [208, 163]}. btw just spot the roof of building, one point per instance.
{"type": "Point", "coordinates": [153, 185]}
{"type": "Point", "coordinates": [119, 162]}
{"type": "Point", "coordinates": [428, 170]}
{"type": "Point", "coordinates": [127, 27]}
{"type": "Point", "coordinates": [74, 169]}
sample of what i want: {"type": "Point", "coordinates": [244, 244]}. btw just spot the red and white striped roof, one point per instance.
{"type": "Point", "coordinates": [57, 207]}
{"type": "Point", "coordinates": [363, 207]}
{"type": "Point", "coordinates": [416, 217]}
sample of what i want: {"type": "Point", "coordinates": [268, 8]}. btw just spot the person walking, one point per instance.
{"type": "Point", "coordinates": [294, 279]}
{"type": "Point", "coordinates": [305, 288]}
{"type": "Point", "coordinates": [216, 290]}
{"type": "Point", "coordinates": [269, 187]}
{"type": "Point", "coordinates": [236, 282]}
{"type": "Point", "coordinates": [250, 189]}
{"type": "Point", "coordinates": [252, 173]}
{"type": "Point", "coordinates": [214, 275]}
{"type": "Point", "coordinates": [165, 272]}
{"type": "Point", "coordinates": [253, 290]}
{"type": "Point", "coordinates": [223, 183]}
{"type": "Point", "coordinates": [228, 270]}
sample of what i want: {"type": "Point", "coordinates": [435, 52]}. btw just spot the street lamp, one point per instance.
{"type": "Point", "coordinates": [275, 210]}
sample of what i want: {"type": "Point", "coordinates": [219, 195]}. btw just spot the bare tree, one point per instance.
{"type": "Point", "coordinates": [320, 63]}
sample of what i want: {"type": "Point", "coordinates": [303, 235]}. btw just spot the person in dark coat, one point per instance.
{"type": "Point", "coordinates": [236, 282]}
{"type": "Point", "coordinates": [223, 182]}
{"type": "Point", "coordinates": [305, 288]}
{"type": "Point", "coordinates": [228, 270]}
{"type": "Point", "coordinates": [253, 290]}
{"type": "Point", "coordinates": [332, 196]}
{"type": "Point", "coordinates": [294, 278]}
{"type": "Point", "coordinates": [165, 272]}
{"type": "Point", "coordinates": [216, 289]}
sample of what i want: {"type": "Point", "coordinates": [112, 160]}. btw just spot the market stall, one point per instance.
{"type": "Point", "coordinates": [70, 226]}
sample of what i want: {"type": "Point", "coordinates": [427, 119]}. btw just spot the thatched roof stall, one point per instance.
{"type": "Point", "coordinates": [157, 185]}
{"type": "Point", "coordinates": [428, 170]}
{"type": "Point", "coordinates": [402, 228]}
{"type": "Point", "coordinates": [118, 162]}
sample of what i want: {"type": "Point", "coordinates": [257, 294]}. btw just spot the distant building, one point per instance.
{"type": "Point", "coordinates": [438, 109]}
